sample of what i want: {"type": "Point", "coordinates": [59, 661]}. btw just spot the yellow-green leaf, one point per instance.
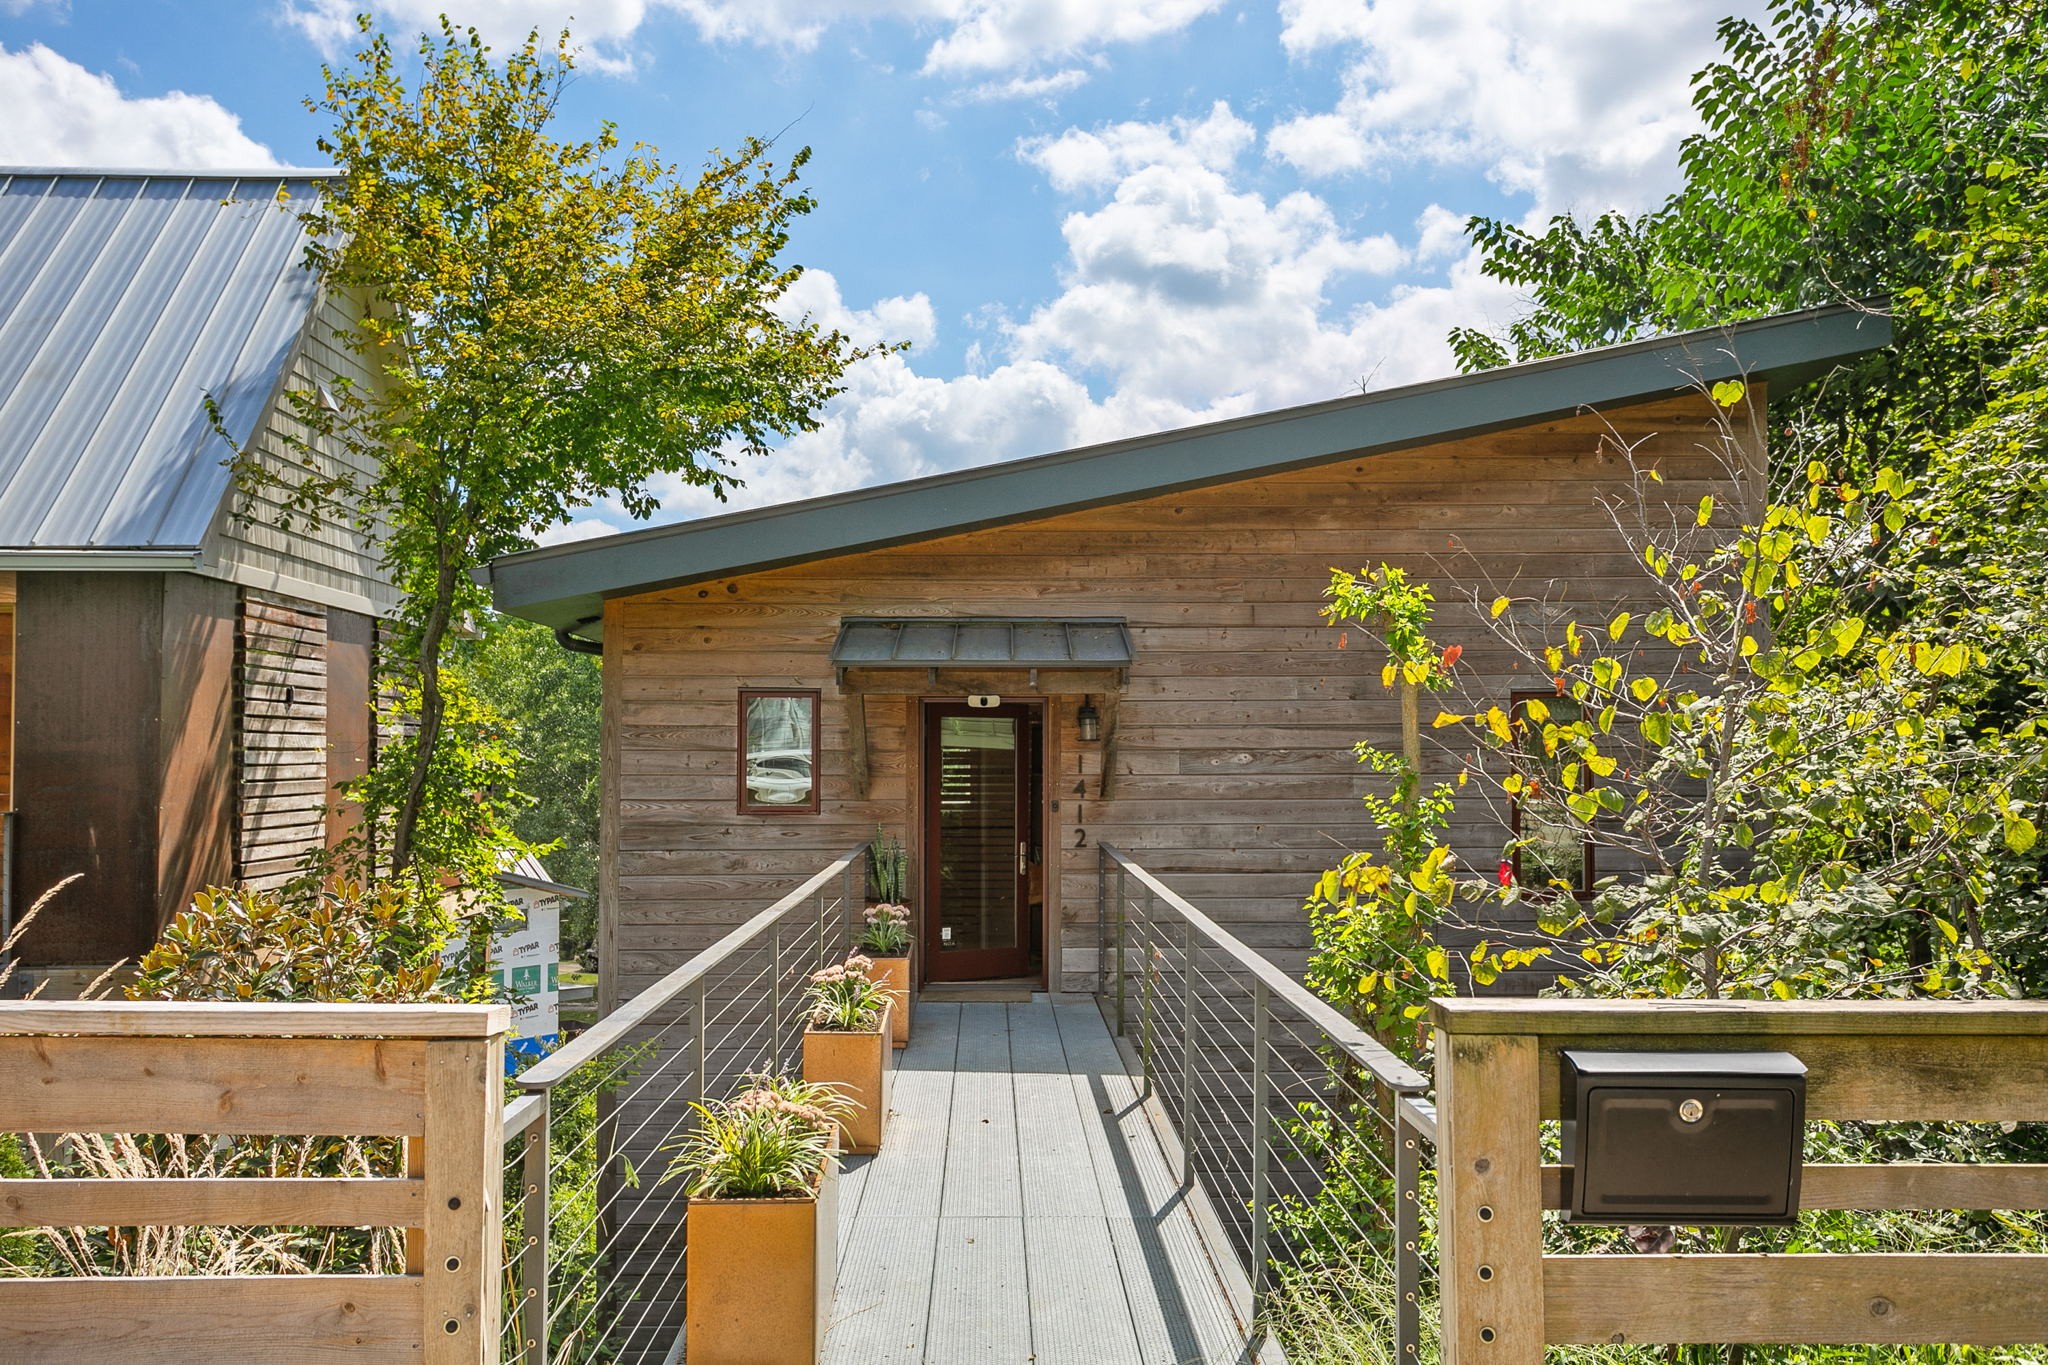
{"type": "Point", "coordinates": [1729, 392]}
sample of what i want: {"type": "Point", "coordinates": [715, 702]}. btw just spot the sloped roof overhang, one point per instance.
{"type": "Point", "coordinates": [565, 586]}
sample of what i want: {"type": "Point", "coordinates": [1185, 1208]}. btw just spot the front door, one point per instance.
{"type": "Point", "coordinates": [978, 770]}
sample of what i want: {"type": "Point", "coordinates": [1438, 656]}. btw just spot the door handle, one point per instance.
{"type": "Point", "coordinates": [1023, 859]}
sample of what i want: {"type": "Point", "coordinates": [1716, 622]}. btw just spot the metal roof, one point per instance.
{"type": "Point", "coordinates": [564, 586]}
{"type": "Point", "coordinates": [1000, 641]}
{"type": "Point", "coordinates": [126, 298]}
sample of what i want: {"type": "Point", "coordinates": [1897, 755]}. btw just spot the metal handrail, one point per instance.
{"type": "Point", "coordinates": [602, 1036]}
{"type": "Point", "coordinates": [1359, 1045]}
{"type": "Point", "coordinates": [530, 1117]}
{"type": "Point", "coordinates": [1287, 1149]}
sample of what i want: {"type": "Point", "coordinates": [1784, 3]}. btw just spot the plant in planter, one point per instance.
{"type": "Point", "coordinates": [846, 1045]}
{"type": "Point", "coordinates": [888, 869]}
{"type": "Point", "coordinates": [885, 939]}
{"type": "Point", "coordinates": [762, 1223]}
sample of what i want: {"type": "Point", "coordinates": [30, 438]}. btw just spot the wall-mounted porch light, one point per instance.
{"type": "Point", "coordinates": [1090, 721]}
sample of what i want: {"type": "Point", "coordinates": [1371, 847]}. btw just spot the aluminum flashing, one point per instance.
{"type": "Point", "coordinates": [566, 585]}
{"type": "Point", "coordinates": [982, 641]}
{"type": "Point", "coordinates": [127, 299]}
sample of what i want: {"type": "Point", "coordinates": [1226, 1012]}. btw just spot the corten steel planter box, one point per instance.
{"type": "Point", "coordinates": [894, 972]}
{"type": "Point", "coordinates": [859, 1064]}
{"type": "Point", "coordinates": [758, 1277]}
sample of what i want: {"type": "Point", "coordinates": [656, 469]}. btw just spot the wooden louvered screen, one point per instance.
{"type": "Point", "coordinates": [282, 745]}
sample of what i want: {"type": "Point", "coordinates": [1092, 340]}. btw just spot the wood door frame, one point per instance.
{"type": "Point", "coordinates": [925, 854]}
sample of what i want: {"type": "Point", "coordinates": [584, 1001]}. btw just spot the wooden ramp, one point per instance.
{"type": "Point", "coordinates": [1021, 1209]}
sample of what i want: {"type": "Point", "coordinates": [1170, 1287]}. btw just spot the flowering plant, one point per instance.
{"type": "Point", "coordinates": [887, 933]}
{"type": "Point", "coordinates": [767, 1142]}
{"type": "Point", "coordinates": [844, 1000]}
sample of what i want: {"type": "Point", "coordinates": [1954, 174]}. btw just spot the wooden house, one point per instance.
{"type": "Point", "coordinates": [1011, 664]}
{"type": "Point", "coordinates": [187, 681]}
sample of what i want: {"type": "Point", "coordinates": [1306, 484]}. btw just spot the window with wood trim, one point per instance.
{"type": "Point", "coordinates": [778, 751]}
{"type": "Point", "coordinates": [1552, 848]}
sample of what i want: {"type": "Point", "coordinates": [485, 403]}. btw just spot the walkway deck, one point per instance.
{"type": "Point", "coordinates": [1021, 1209]}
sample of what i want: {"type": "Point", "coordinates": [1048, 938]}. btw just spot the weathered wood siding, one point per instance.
{"type": "Point", "coordinates": [1235, 779]}
{"type": "Point", "coordinates": [332, 564]}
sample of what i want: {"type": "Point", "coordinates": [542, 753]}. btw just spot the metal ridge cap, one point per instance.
{"type": "Point", "coordinates": [178, 173]}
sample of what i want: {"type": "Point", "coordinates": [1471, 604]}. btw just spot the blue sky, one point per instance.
{"type": "Point", "coordinates": [1091, 218]}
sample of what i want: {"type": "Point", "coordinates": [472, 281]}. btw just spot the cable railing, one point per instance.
{"type": "Point", "coordinates": [594, 1239]}
{"type": "Point", "coordinates": [1303, 1131]}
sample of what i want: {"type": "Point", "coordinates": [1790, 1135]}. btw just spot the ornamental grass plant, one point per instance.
{"type": "Point", "coordinates": [767, 1142]}
{"type": "Point", "coordinates": [886, 932]}
{"type": "Point", "coordinates": [844, 1000]}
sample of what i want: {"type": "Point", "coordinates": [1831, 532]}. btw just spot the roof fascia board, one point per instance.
{"type": "Point", "coordinates": [100, 561]}
{"type": "Point", "coordinates": [563, 585]}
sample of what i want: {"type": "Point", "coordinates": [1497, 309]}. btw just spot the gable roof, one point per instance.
{"type": "Point", "coordinates": [126, 298]}
{"type": "Point", "coordinates": [564, 586]}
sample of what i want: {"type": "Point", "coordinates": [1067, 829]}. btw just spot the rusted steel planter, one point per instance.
{"type": "Point", "coordinates": [758, 1277]}
{"type": "Point", "coordinates": [894, 972]}
{"type": "Point", "coordinates": [859, 1064]}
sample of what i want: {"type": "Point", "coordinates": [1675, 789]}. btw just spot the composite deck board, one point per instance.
{"type": "Point", "coordinates": [982, 1173]}
{"type": "Point", "coordinates": [1019, 1210]}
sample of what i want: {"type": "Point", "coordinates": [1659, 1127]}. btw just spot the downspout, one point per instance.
{"type": "Point", "coordinates": [576, 644]}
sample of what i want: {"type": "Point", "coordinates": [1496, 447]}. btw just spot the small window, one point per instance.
{"type": "Point", "coordinates": [1553, 850]}
{"type": "Point", "coordinates": [778, 751]}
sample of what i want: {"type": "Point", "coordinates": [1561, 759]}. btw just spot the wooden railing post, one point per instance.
{"type": "Point", "coordinates": [464, 1240]}
{"type": "Point", "coordinates": [1490, 1199]}
{"type": "Point", "coordinates": [533, 1221]}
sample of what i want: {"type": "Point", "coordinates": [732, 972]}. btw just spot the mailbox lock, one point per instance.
{"type": "Point", "coordinates": [1692, 1111]}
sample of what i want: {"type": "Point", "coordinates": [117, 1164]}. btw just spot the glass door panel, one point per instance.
{"type": "Point", "coordinates": [975, 771]}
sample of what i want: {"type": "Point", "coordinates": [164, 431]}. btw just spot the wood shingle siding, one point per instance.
{"type": "Point", "coordinates": [1232, 740]}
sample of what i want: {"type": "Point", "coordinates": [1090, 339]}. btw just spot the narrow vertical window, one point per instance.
{"type": "Point", "coordinates": [1553, 850]}
{"type": "Point", "coordinates": [778, 751]}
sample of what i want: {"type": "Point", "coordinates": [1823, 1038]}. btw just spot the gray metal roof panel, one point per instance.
{"type": "Point", "coordinates": [125, 300]}
{"type": "Point", "coordinates": [565, 585]}
{"type": "Point", "coordinates": [1014, 642]}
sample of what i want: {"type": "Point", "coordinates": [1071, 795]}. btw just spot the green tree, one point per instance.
{"type": "Point", "coordinates": [554, 702]}
{"type": "Point", "coordinates": [557, 321]}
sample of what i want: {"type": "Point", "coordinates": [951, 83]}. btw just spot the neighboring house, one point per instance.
{"type": "Point", "coordinates": [924, 655]}
{"type": "Point", "coordinates": [188, 684]}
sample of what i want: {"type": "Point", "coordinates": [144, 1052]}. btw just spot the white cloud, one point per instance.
{"type": "Point", "coordinates": [1184, 296]}
{"type": "Point", "coordinates": [601, 30]}
{"type": "Point", "coordinates": [1439, 233]}
{"type": "Point", "coordinates": [999, 35]}
{"type": "Point", "coordinates": [61, 114]}
{"type": "Point", "coordinates": [971, 37]}
{"type": "Point", "coordinates": [1083, 159]}
{"type": "Point", "coordinates": [1047, 88]}
{"type": "Point", "coordinates": [1582, 111]}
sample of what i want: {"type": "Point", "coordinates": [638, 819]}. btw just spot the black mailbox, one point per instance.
{"type": "Point", "coordinates": [1701, 1138]}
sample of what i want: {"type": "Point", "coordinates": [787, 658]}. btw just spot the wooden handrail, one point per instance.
{"type": "Point", "coordinates": [1557, 1018]}
{"type": "Point", "coordinates": [1361, 1046]}
{"type": "Point", "coordinates": [600, 1037]}
{"type": "Point", "coordinates": [256, 1019]}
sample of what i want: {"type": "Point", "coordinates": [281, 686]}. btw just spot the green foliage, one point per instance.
{"type": "Point", "coordinates": [552, 702]}
{"type": "Point", "coordinates": [549, 323]}
{"type": "Point", "coordinates": [768, 1142]}
{"type": "Point", "coordinates": [844, 999]}
{"type": "Point", "coordinates": [342, 943]}
{"type": "Point", "coordinates": [888, 869]}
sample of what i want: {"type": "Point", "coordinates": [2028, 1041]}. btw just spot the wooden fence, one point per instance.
{"type": "Point", "coordinates": [429, 1074]}
{"type": "Point", "coordinates": [1497, 1077]}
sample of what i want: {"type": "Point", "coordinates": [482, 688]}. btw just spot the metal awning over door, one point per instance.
{"type": "Point", "coordinates": [982, 642]}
